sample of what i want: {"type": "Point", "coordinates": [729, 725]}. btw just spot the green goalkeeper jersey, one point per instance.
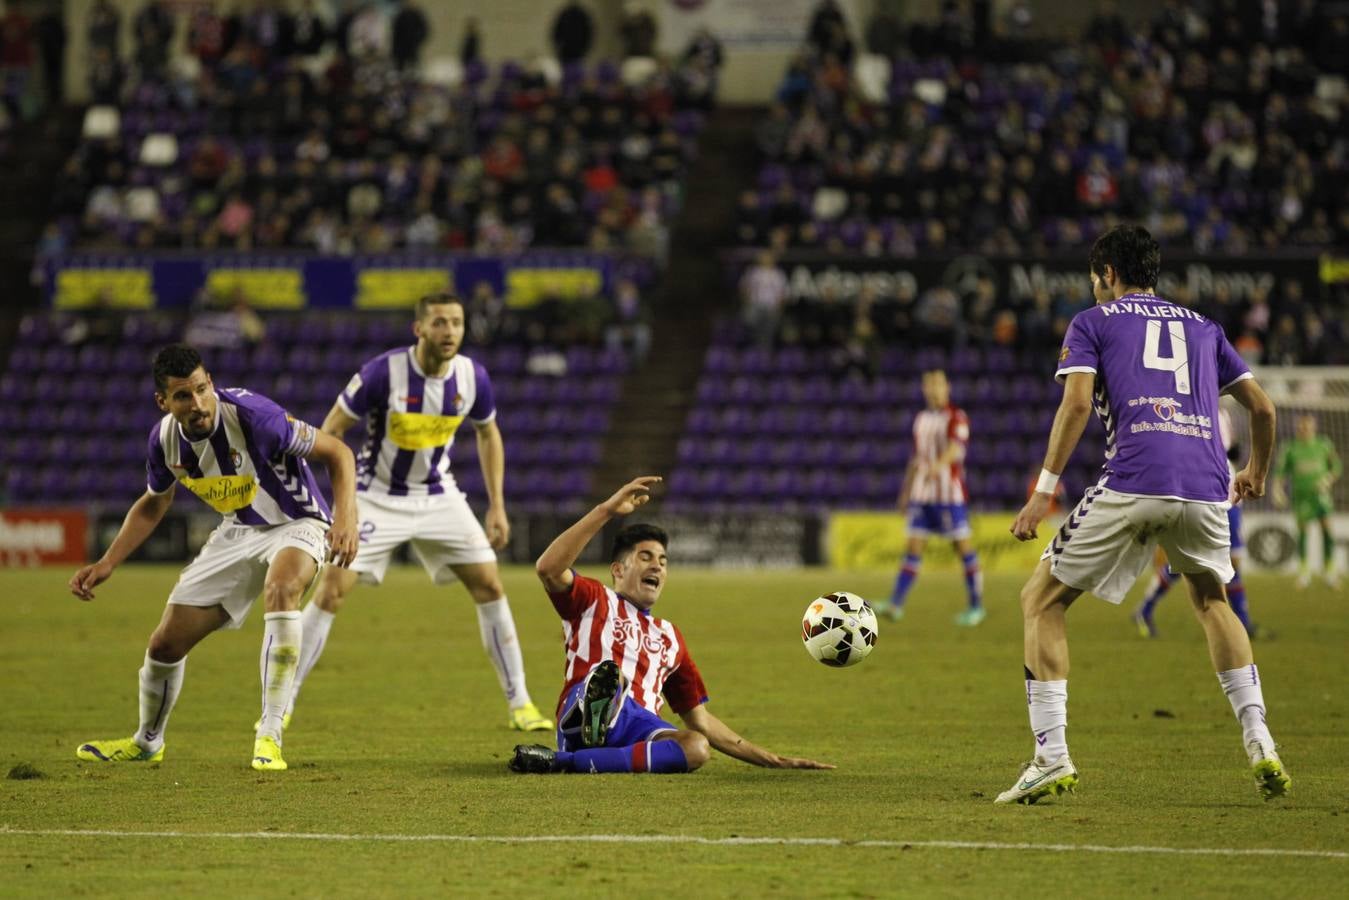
{"type": "Point", "coordinates": [1309, 465]}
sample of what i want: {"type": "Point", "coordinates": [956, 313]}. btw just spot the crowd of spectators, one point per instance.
{"type": "Point", "coordinates": [1219, 125]}
{"type": "Point", "coordinates": [295, 132]}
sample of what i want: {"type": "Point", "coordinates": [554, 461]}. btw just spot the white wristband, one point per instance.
{"type": "Point", "coordinates": [1047, 483]}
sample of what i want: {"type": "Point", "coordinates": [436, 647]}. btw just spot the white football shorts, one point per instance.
{"type": "Point", "coordinates": [441, 528]}
{"type": "Point", "coordinates": [1107, 541]}
{"type": "Point", "coordinates": [232, 566]}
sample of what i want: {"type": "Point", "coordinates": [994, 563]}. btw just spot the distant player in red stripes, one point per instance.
{"type": "Point", "coordinates": [935, 496]}
{"type": "Point", "coordinates": [621, 660]}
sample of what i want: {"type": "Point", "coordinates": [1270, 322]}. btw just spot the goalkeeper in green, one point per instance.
{"type": "Point", "coordinates": [1311, 465]}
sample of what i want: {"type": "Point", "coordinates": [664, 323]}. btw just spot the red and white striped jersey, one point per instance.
{"type": "Point", "coordinates": [598, 624]}
{"type": "Point", "coordinates": [934, 430]}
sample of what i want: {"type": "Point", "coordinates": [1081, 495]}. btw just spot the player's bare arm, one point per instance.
{"type": "Point", "coordinates": [492, 459]}
{"type": "Point", "coordinates": [341, 465]}
{"type": "Point", "coordinates": [337, 422]}
{"type": "Point", "coordinates": [1250, 481]}
{"type": "Point", "coordinates": [141, 520]}
{"type": "Point", "coordinates": [910, 473]}
{"type": "Point", "coordinates": [1069, 423]}
{"type": "Point", "coordinates": [725, 740]}
{"type": "Point", "coordinates": [554, 566]}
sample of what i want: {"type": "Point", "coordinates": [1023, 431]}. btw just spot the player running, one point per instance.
{"type": "Point", "coordinates": [1311, 465]}
{"type": "Point", "coordinates": [413, 400]}
{"type": "Point", "coordinates": [1154, 372]}
{"type": "Point", "coordinates": [935, 496]}
{"type": "Point", "coordinates": [1163, 576]}
{"type": "Point", "coordinates": [621, 659]}
{"type": "Point", "coordinates": [244, 456]}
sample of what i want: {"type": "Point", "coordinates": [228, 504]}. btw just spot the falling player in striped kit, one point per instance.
{"type": "Point", "coordinates": [621, 660]}
{"type": "Point", "coordinates": [1163, 576]}
{"type": "Point", "coordinates": [247, 459]}
{"type": "Point", "coordinates": [1153, 371]}
{"type": "Point", "coordinates": [935, 496]}
{"type": "Point", "coordinates": [413, 400]}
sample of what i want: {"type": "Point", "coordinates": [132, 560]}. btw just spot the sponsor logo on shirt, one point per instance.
{"type": "Point", "coordinates": [421, 431]}
{"type": "Point", "coordinates": [223, 493]}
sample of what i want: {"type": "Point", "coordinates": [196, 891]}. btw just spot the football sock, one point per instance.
{"type": "Point", "coordinates": [1048, 702]}
{"type": "Point", "coordinates": [974, 579]}
{"type": "Point", "coordinates": [651, 757]}
{"type": "Point", "coordinates": [315, 623]}
{"type": "Point", "coordinates": [281, 639]}
{"type": "Point", "coordinates": [908, 574]}
{"type": "Point", "coordinates": [497, 627]}
{"type": "Point", "coordinates": [1242, 687]}
{"type": "Point", "coordinates": [1327, 549]}
{"type": "Point", "coordinates": [1157, 588]}
{"type": "Point", "coordinates": [1236, 598]}
{"type": "Point", "coordinates": [160, 684]}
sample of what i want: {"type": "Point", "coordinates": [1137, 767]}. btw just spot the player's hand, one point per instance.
{"type": "Point", "coordinates": [1024, 528]}
{"type": "Point", "coordinates": [498, 528]}
{"type": "Point", "coordinates": [1279, 497]}
{"type": "Point", "coordinates": [632, 495]}
{"type": "Point", "coordinates": [793, 762]}
{"type": "Point", "coordinates": [84, 581]}
{"type": "Point", "coordinates": [343, 540]}
{"type": "Point", "coordinates": [1246, 486]}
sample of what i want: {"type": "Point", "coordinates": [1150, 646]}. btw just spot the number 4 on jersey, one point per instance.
{"type": "Point", "coordinates": [1179, 360]}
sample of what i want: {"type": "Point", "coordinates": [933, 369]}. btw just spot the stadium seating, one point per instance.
{"type": "Point", "coordinates": [74, 420]}
{"type": "Point", "coordinates": [771, 430]}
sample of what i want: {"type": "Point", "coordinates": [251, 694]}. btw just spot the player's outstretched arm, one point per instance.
{"type": "Point", "coordinates": [554, 566]}
{"type": "Point", "coordinates": [722, 738]}
{"type": "Point", "coordinates": [341, 465]}
{"type": "Point", "coordinates": [492, 459]}
{"type": "Point", "coordinates": [140, 521]}
{"type": "Point", "coordinates": [337, 422]}
{"type": "Point", "coordinates": [1069, 422]}
{"type": "Point", "coordinates": [1250, 481]}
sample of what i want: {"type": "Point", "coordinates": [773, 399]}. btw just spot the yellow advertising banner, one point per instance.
{"type": "Point", "coordinates": [265, 288]}
{"type": "Point", "coordinates": [398, 288]}
{"type": "Point", "coordinates": [877, 540]}
{"type": "Point", "coordinates": [120, 288]}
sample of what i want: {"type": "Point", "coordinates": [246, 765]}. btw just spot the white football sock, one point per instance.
{"type": "Point", "coordinates": [160, 684]}
{"type": "Point", "coordinates": [497, 627]}
{"type": "Point", "coordinates": [1242, 687]}
{"type": "Point", "coordinates": [281, 638]}
{"type": "Point", "coordinates": [315, 622]}
{"type": "Point", "coordinates": [1048, 702]}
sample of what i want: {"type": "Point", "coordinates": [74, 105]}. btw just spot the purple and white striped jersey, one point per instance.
{"type": "Point", "coordinates": [410, 420]}
{"type": "Point", "coordinates": [1160, 369]}
{"type": "Point", "coordinates": [252, 468]}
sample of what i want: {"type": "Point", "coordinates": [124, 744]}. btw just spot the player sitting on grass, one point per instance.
{"type": "Point", "coordinates": [620, 659]}
{"type": "Point", "coordinates": [245, 457]}
{"type": "Point", "coordinates": [1311, 465]}
{"type": "Point", "coordinates": [1153, 371]}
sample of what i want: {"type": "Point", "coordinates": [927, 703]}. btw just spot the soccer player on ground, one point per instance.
{"type": "Point", "coordinates": [935, 496]}
{"type": "Point", "coordinates": [244, 456]}
{"type": "Point", "coordinates": [621, 659]}
{"type": "Point", "coordinates": [1311, 465]}
{"type": "Point", "coordinates": [413, 399]}
{"type": "Point", "coordinates": [1163, 577]}
{"type": "Point", "coordinates": [1154, 372]}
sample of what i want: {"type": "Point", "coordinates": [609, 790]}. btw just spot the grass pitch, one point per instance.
{"type": "Point", "coordinates": [399, 738]}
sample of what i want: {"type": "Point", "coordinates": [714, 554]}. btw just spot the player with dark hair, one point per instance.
{"type": "Point", "coordinates": [413, 400]}
{"type": "Point", "coordinates": [621, 660]}
{"type": "Point", "coordinates": [247, 459]}
{"type": "Point", "coordinates": [1153, 371]}
{"type": "Point", "coordinates": [1312, 466]}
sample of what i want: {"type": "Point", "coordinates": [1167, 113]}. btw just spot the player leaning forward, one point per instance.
{"type": "Point", "coordinates": [244, 456]}
{"type": "Point", "coordinates": [621, 660]}
{"type": "Point", "coordinates": [1154, 372]}
{"type": "Point", "coordinates": [413, 399]}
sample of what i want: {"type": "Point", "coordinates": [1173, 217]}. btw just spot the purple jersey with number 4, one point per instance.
{"type": "Point", "coordinates": [1159, 370]}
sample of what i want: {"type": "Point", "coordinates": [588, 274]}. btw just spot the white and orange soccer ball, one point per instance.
{"type": "Point", "coordinates": [839, 629]}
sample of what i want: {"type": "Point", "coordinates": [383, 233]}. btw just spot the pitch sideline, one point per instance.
{"type": "Point", "coordinates": [675, 839]}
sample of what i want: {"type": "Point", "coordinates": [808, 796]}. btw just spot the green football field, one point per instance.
{"type": "Point", "coordinates": [398, 782]}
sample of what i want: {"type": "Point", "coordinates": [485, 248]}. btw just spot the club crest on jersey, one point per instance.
{"type": "Point", "coordinates": [236, 458]}
{"type": "Point", "coordinates": [459, 403]}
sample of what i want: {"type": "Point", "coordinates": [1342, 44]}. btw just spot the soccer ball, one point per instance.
{"type": "Point", "coordinates": [839, 629]}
